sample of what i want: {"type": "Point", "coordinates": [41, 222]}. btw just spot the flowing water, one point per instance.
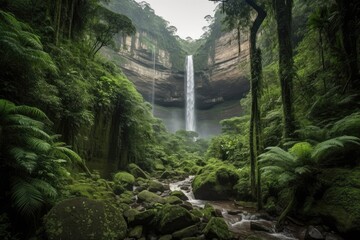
{"type": "Point", "coordinates": [190, 94]}
{"type": "Point", "coordinates": [238, 217]}
{"type": "Point", "coordinates": [153, 82]}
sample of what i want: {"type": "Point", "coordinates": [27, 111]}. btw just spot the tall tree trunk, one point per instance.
{"type": "Point", "coordinates": [57, 20]}
{"type": "Point", "coordinates": [347, 10]}
{"type": "Point", "coordinates": [255, 126]}
{"type": "Point", "coordinates": [71, 18]}
{"type": "Point", "coordinates": [283, 10]}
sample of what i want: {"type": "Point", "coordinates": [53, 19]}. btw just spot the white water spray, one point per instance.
{"type": "Point", "coordinates": [190, 94]}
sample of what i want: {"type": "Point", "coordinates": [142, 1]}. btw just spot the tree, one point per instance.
{"type": "Point", "coordinates": [239, 12]}
{"type": "Point", "coordinates": [109, 24]}
{"type": "Point", "coordinates": [283, 14]}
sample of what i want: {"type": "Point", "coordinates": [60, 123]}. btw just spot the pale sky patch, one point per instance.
{"type": "Point", "coordinates": [186, 15]}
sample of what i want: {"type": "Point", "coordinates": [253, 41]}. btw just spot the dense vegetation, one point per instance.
{"type": "Point", "coordinates": [76, 136]}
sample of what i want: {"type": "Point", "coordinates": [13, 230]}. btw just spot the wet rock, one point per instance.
{"type": "Point", "coordinates": [313, 233]}
{"type": "Point", "coordinates": [180, 195]}
{"type": "Point", "coordinates": [84, 219]}
{"type": "Point", "coordinates": [173, 218]}
{"type": "Point", "coordinates": [201, 237]}
{"type": "Point", "coordinates": [173, 200]}
{"type": "Point", "coordinates": [217, 228]}
{"type": "Point", "coordinates": [332, 236]}
{"type": "Point", "coordinates": [234, 212]}
{"type": "Point", "coordinates": [218, 213]}
{"type": "Point", "coordinates": [136, 232]}
{"type": "Point", "coordinates": [185, 188]}
{"type": "Point", "coordinates": [187, 206]}
{"type": "Point", "coordinates": [156, 186]}
{"type": "Point", "coordinates": [260, 226]}
{"type": "Point", "coordinates": [149, 197]}
{"type": "Point", "coordinates": [186, 232]}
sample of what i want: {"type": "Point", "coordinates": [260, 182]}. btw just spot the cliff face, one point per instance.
{"type": "Point", "coordinates": [225, 78]}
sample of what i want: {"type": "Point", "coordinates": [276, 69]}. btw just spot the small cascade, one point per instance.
{"type": "Point", "coordinates": [190, 94]}
{"type": "Point", "coordinates": [153, 82]}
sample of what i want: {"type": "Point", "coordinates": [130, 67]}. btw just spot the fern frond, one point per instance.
{"type": "Point", "coordinates": [27, 199]}
{"type": "Point", "coordinates": [31, 112]}
{"type": "Point", "coordinates": [38, 145]}
{"type": "Point", "coordinates": [330, 146]}
{"type": "Point", "coordinates": [44, 187]}
{"type": "Point", "coordinates": [349, 125]}
{"type": "Point", "coordinates": [278, 155]}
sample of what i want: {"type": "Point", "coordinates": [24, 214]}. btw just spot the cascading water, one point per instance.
{"type": "Point", "coordinates": [190, 94]}
{"type": "Point", "coordinates": [153, 83]}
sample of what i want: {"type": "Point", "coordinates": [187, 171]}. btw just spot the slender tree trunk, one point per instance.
{"type": "Point", "coordinates": [288, 208]}
{"type": "Point", "coordinates": [347, 9]}
{"type": "Point", "coordinates": [57, 20]}
{"type": "Point", "coordinates": [239, 39]}
{"type": "Point", "coordinates": [71, 17]}
{"type": "Point", "coordinates": [283, 9]}
{"type": "Point", "coordinates": [255, 126]}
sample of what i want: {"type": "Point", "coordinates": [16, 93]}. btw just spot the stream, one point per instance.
{"type": "Point", "coordinates": [240, 218]}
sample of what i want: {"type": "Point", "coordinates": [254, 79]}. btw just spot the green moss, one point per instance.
{"type": "Point", "coordinates": [88, 219]}
{"type": "Point", "coordinates": [179, 194]}
{"type": "Point", "coordinates": [173, 200]}
{"type": "Point", "coordinates": [155, 186]}
{"type": "Point", "coordinates": [136, 232]}
{"type": "Point", "coordinates": [173, 217]}
{"type": "Point", "coordinates": [217, 228]}
{"type": "Point", "coordinates": [126, 197]}
{"type": "Point", "coordinates": [146, 196]}
{"type": "Point", "coordinates": [136, 171]}
{"type": "Point", "coordinates": [186, 232]}
{"type": "Point", "coordinates": [124, 179]}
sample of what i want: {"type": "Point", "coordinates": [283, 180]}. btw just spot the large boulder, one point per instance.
{"type": "Point", "coordinates": [156, 186]}
{"type": "Point", "coordinates": [172, 218]}
{"type": "Point", "coordinates": [84, 219]}
{"type": "Point", "coordinates": [215, 183]}
{"type": "Point", "coordinates": [217, 228]}
{"type": "Point", "coordinates": [339, 206]}
{"type": "Point", "coordinates": [149, 197]}
{"type": "Point", "coordinates": [179, 194]}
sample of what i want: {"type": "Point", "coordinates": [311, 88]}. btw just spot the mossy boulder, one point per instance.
{"type": "Point", "coordinates": [158, 165]}
{"type": "Point", "coordinates": [166, 174]}
{"type": "Point", "coordinates": [84, 219]}
{"type": "Point", "coordinates": [155, 186]}
{"type": "Point", "coordinates": [340, 204]}
{"type": "Point", "coordinates": [143, 218]}
{"type": "Point", "coordinates": [136, 171]}
{"type": "Point", "coordinates": [186, 232]}
{"type": "Point", "coordinates": [173, 200]}
{"type": "Point", "coordinates": [179, 194]}
{"type": "Point", "coordinates": [90, 189]}
{"type": "Point", "coordinates": [149, 197]}
{"type": "Point", "coordinates": [215, 182]}
{"type": "Point", "coordinates": [217, 228]}
{"type": "Point", "coordinates": [125, 179]}
{"type": "Point", "coordinates": [172, 218]}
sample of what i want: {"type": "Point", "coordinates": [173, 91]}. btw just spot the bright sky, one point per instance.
{"type": "Point", "coordinates": [186, 15]}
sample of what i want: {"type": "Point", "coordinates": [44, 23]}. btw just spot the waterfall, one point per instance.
{"type": "Point", "coordinates": [153, 82]}
{"type": "Point", "coordinates": [190, 94]}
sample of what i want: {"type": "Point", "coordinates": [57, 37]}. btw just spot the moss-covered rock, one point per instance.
{"type": "Point", "coordinates": [172, 218]}
{"type": "Point", "coordinates": [166, 237]}
{"type": "Point", "coordinates": [136, 171]}
{"type": "Point", "coordinates": [136, 232]}
{"type": "Point", "coordinates": [215, 182]}
{"type": "Point", "coordinates": [125, 179]}
{"type": "Point", "coordinates": [340, 204]}
{"type": "Point", "coordinates": [84, 219]}
{"type": "Point", "coordinates": [143, 218]}
{"type": "Point", "coordinates": [90, 189]}
{"type": "Point", "coordinates": [158, 165]}
{"type": "Point", "coordinates": [173, 200]}
{"type": "Point", "coordinates": [126, 197]}
{"type": "Point", "coordinates": [166, 174]}
{"type": "Point", "coordinates": [149, 197]}
{"type": "Point", "coordinates": [186, 232]}
{"type": "Point", "coordinates": [180, 195]}
{"type": "Point", "coordinates": [129, 214]}
{"type": "Point", "coordinates": [217, 228]}
{"type": "Point", "coordinates": [155, 186]}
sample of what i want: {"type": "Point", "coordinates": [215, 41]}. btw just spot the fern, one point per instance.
{"type": "Point", "coordinates": [328, 147]}
{"type": "Point", "coordinates": [349, 125]}
{"type": "Point", "coordinates": [27, 199]}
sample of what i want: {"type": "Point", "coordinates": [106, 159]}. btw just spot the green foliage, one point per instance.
{"type": "Point", "coordinates": [34, 164]}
